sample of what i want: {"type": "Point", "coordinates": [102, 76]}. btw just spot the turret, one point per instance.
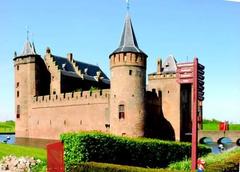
{"type": "Point", "coordinates": [128, 83]}
{"type": "Point", "coordinates": [27, 85]}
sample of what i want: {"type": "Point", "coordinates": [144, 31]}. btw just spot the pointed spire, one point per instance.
{"type": "Point", "coordinates": [128, 41]}
{"type": "Point", "coordinates": [33, 47]}
{"type": "Point", "coordinates": [28, 49]}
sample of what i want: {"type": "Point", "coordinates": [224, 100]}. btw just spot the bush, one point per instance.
{"type": "Point", "coordinates": [102, 167]}
{"type": "Point", "coordinates": [227, 161]}
{"type": "Point", "coordinates": [99, 147]}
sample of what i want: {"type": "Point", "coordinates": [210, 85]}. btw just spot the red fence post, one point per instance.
{"type": "Point", "coordinates": [194, 115]}
{"type": "Point", "coordinates": [55, 157]}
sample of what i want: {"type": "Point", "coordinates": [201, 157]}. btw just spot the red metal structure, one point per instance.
{"type": "Point", "coordinates": [55, 157]}
{"type": "Point", "coordinates": [193, 73]}
{"type": "Point", "coordinates": [194, 116]}
{"type": "Point", "coordinates": [223, 126]}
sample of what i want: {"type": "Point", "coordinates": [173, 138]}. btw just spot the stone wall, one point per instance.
{"type": "Point", "coordinates": [50, 116]}
{"type": "Point", "coordinates": [166, 85]}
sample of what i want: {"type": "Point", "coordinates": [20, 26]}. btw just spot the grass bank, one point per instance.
{"type": "Point", "coordinates": [214, 125]}
{"type": "Point", "coordinates": [227, 161]}
{"type": "Point", "coordinates": [7, 127]}
{"type": "Point", "coordinates": [18, 151]}
{"type": "Point", "coordinates": [7, 149]}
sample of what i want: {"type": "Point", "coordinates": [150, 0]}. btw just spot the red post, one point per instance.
{"type": "Point", "coordinates": [55, 157]}
{"type": "Point", "coordinates": [194, 116]}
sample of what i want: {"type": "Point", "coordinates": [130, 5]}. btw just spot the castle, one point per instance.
{"type": "Point", "coordinates": [56, 94]}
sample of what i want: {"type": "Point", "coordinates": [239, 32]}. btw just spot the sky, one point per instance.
{"type": "Point", "coordinates": [91, 30]}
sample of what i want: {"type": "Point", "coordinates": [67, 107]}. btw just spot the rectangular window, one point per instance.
{"type": "Point", "coordinates": [17, 85]}
{"type": "Point", "coordinates": [17, 93]}
{"type": "Point", "coordinates": [121, 110]}
{"type": "Point", "coordinates": [18, 111]}
{"type": "Point", "coordinates": [130, 72]}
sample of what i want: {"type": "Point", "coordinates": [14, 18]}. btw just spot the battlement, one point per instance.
{"type": "Point", "coordinates": [128, 59]}
{"type": "Point", "coordinates": [161, 76]}
{"type": "Point", "coordinates": [24, 60]}
{"type": "Point", "coordinates": [84, 97]}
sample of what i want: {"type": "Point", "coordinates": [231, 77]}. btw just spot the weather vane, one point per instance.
{"type": "Point", "coordinates": [27, 32]}
{"type": "Point", "coordinates": [128, 5]}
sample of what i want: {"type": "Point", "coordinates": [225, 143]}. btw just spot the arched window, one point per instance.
{"type": "Point", "coordinates": [121, 110]}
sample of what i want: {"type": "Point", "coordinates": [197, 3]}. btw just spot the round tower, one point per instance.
{"type": "Point", "coordinates": [128, 83]}
{"type": "Point", "coordinates": [25, 86]}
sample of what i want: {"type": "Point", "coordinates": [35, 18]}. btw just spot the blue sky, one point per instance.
{"type": "Point", "coordinates": [91, 29]}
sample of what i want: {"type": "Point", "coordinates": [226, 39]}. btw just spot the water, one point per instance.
{"type": "Point", "coordinates": [40, 143]}
{"type": "Point", "coordinates": [216, 150]}
{"type": "Point", "coordinates": [225, 145]}
{"type": "Point", "coordinates": [9, 138]}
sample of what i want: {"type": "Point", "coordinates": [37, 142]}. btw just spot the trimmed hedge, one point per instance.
{"type": "Point", "coordinates": [103, 167]}
{"type": "Point", "coordinates": [99, 147]}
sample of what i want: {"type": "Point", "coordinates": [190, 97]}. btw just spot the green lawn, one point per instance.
{"type": "Point", "coordinates": [7, 127]}
{"type": "Point", "coordinates": [7, 149]}
{"type": "Point", "coordinates": [214, 125]}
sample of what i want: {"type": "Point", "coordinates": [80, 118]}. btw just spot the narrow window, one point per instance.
{"type": "Point", "coordinates": [121, 110]}
{"type": "Point", "coordinates": [17, 67]}
{"type": "Point", "coordinates": [18, 111]}
{"type": "Point", "coordinates": [17, 85]}
{"type": "Point", "coordinates": [130, 72]}
{"type": "Point", "coordinates": [17, 93]}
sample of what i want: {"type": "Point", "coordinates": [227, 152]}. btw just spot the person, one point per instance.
{"type": "Point", "coordinates": [221, 147]}
{"type": "Point", "coordinates": [200, 163]}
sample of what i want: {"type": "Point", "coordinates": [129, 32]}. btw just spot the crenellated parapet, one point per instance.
{"type": "Point", "coordinates": [71, 99]}
{"type": "Point", "coordinates": [161, 76]}
{"type": "Point", "coordinates": [24, 60]}
{"type": "Point", "coordinates": [133, 59]}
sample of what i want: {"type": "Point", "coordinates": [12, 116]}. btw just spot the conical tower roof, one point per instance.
{"type": "Point", "coordinates": [128, 41]}
{"type": "Point", "coordinates": [28, 49]}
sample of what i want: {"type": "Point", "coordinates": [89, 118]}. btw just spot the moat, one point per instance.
{"type": "Point", "coordinates": [41, 143]}
{"type": "Point", "coordinates": [11, 139]}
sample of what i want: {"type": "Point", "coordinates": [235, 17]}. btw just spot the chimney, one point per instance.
{"type": "Point", "coordinates": [70, 57]}
{"type": "Point", "coordinates": [159, 65]}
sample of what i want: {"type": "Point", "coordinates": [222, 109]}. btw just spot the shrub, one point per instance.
{"type": "Point", "coordinates": [99, 147]}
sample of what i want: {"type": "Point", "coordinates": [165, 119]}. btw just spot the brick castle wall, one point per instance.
{"type": "Point", "coordinates": [170, 92]}
{"type": "Point", "coordinates": [52, 115]}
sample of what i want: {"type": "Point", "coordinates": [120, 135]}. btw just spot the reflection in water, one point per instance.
{"type": "Point", "coordinates": [40, 143]}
